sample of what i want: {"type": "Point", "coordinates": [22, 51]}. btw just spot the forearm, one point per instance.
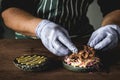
{"type": "Point", "coordinates": [112, 18]}
{"type": "Point", "coordinates": [20, 21]}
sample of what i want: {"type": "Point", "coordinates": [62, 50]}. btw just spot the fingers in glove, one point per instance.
{"type": "Point", "coordinates": [65, 31]}
{"type": "Point", "coordinates": [52, 49]}
{"type": "Point", "coordinates": [111, 45]}
{"type": "Point", "coordinates": [91, 38]}
{"type": "Point", "coordinates": [105, 42]}
{"type": "Point", "coordinates": [96, 40]}
{"type": "Point", "coordinates": [60, 48]}
{"type": "Point", "coordinates": [67, 42]}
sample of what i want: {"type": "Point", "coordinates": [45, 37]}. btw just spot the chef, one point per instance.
{"type": "Point", "coordinates": [54, 22]}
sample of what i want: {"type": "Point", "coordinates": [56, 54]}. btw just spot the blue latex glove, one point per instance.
{"type": "Point", "coordinates": [105, 38]}
{"type": "Point", "coordinates": [55, 38]}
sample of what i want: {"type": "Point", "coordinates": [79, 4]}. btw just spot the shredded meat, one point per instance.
{"type": "Point", "coordinates": [85, 57]}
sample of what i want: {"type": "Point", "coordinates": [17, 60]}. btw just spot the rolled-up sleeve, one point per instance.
{"type": "Point", "coordinates": [108, 6]}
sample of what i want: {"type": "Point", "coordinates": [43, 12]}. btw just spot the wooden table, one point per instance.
{"type": "Point", "coordinates": [10, 48]}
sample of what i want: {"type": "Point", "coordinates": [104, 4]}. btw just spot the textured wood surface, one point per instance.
{"type": "Point", "coordinates": [10, 48]}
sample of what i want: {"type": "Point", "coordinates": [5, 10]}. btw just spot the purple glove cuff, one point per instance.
{"type": "Point", "coordinates": [117, 29]}
{"type": "Point", "coordinates": [40, 26]}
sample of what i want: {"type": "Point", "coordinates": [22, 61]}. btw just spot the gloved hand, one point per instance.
{"type": "Point", "coordinates": [55, 38]}
{"type": "Point", "coordinates": [105, 38]}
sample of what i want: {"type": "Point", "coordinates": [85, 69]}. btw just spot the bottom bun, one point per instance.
{"type": "Point", "coordinates": [81, 69]}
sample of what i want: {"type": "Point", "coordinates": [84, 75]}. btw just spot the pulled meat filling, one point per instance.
{"type": "Point", "coordinates": [84, 58]}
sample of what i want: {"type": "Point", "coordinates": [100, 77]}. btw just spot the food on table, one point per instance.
{"type": "Point", "coordinates": [32, 62]}
{"type": "Point", "coordinates": [84, 60]}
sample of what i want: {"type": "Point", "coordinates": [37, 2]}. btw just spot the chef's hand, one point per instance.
{"type": "Point", "coordinates": [105, 38]}
{"type": "Point", "coordinates": [55, 38]}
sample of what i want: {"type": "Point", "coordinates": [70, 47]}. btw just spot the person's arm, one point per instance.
{"type": "Point", "coordinates": [108, 35]}
{"type": "Point", "coordinates": [54, 37]}
{"type": "Point", "coordinates": [112, 18]}
{"type": "Point", "coordinates": [20, 21]}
